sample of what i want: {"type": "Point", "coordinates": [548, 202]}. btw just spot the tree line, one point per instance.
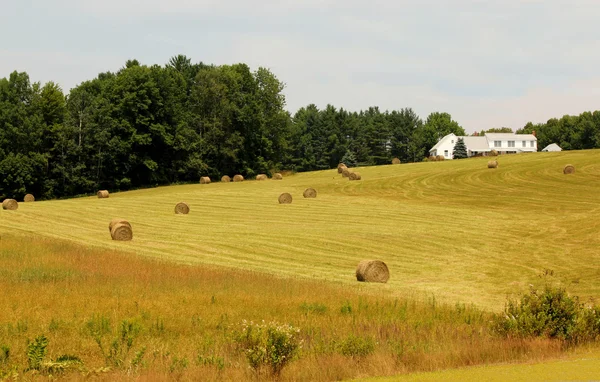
{"type": "Point", "coordinates": [143, 126]}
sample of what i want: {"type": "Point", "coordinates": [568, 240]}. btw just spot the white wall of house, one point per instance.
{"type": "Point", "coordinates": [445, 146]}
{"type": "Point", "coordinates": [513, 145]}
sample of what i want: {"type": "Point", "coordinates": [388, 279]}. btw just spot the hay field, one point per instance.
{"type": "Point", "coordinates": [455, 229]}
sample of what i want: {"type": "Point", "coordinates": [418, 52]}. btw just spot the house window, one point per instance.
{"type": "Point", "coordinates": [511, 143]}
{"type": "Point", "coordinates": [497, 143]}
{"type": "Point", "coordinates": [445, 153]}
{"type": "Point", "coordinates": [532, 143]}
{"type": "Point", "coordinates": [524, 143]}
{"type": "Point", "coordinates": [452, 141]}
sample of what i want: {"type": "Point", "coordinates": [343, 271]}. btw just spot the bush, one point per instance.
{"type": "Point", "coordinates": [551, 313]}
{"type": "Point", "coordinates": [269, 344]}
{"type": "Point", "coordinates": [354, 346]}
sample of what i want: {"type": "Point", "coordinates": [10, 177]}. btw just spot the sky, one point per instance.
{"type": "Point", "coordinates": [491, 63]}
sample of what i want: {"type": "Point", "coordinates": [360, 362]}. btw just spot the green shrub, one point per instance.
{"type": "Point", "coordinates": [550, 313]}
{"type": "Point", "coordinates": [268, 344]}
{"type": "Point", "coordinates": [354, 346]}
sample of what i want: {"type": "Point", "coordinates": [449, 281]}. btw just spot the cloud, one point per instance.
{"type": "Point", "coordinates": [489, 63]}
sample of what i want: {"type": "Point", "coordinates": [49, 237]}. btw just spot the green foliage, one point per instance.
{"type": "Point", "coordinates": [346, 308]}
{"type": "Point", "coordinates": [211, 360]}
{"type": "Point", "coordinates": [349, 159]}
{"type": "Point", "coordinates": [315, 308]}
{"type": "Point", "coordinates": [356, 346]}
{"type": "Point", "coordinates": [36, 351]}
{"type": "Point", "coordinates": [549, 313]}
{"type": "Point", "coordinates": [270, 344]}
{"type": "Point", "coordinates": [98, 327]}
{"type": "Point", "coordinates": [460, 150]}
{"type": "Point", "coordinates": [4, 354]}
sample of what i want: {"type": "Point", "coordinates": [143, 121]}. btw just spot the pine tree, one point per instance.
{"type": "Point", "coordinates": [349, 159]}
{"type": "Point", "coordinates": [460, 150]}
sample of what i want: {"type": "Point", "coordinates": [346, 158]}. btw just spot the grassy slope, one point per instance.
{"type": "Point", "coordinates": [581, 367]}
{"type": "Point", "coordinates": [455, 228]}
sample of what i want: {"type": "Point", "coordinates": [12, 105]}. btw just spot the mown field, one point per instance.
{"type": "Point", "coordinates": [457, 237]}
{"type": "Point", "coordinates": [456, 230]}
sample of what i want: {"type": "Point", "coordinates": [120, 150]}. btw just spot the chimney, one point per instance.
{"type": "Point", "coordinates": [533, 132]}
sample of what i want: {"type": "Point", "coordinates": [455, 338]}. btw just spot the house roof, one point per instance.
{"type": "Point", "coordinates": [476, 143]}
{"type": "Point", "coordinates": [510, 136]}
{"type": "Point", "coordinates": [440, 141]}
{"type": "Point", "coordinates": [552, 147]}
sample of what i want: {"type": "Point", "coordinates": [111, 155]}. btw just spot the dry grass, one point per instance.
{"type": "Point", "coordinates": [186, 316]}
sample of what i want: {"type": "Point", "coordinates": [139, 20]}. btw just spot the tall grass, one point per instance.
{"type": "Point", "coordinates": [129, 317]}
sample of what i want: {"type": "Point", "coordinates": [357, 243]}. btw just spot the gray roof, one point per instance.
{"type": "Point", "coordinates": [552, 147]}
{"type": "Point", "coordinates": [476, 143]}
{"type": "Point", "coordinates": [510, 136]}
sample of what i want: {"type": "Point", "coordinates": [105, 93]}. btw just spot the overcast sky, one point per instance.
{"type": "Point", "coordinates": [488, 63]}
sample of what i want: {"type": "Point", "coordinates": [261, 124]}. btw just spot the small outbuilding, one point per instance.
{"type": "Point", "coordinates": [552, 147]}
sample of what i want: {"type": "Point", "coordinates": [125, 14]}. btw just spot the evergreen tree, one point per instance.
{"type": "Point", "coordinates": [349, 159]}
{"type": "Point", "coordinates": [460, 150]}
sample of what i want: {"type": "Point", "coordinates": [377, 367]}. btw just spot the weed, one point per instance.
{"type": "Point", "coordinates": [315, 308]}
{"type": "Point", "coordinates": [355, 346]}
{"type": "Point", "coordinates": [269, 344]}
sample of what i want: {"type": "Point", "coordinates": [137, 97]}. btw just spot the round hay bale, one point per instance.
{"type": "Point", "coordinates": [440, 158]}
{"type": "Point", "coordinates": [285, 198]}
{"type": "Point", "coordinates": [569, 169]}
{"type": "Point", "coordinates": [372, 271]}
{"type": "Point", "coordinates": [10, 204]}
{"type": "Point", "coordinates": [103, 194]}
{"type": "Point", "coordinates": [29, 198]}
{"type": "Point", "coordinates": [277, 176]}
{"type": "Point", "coordinates": [238, 178]}
{"type": "Point", "coordinates": [346, 173]}
{"type": "Point", "coordinates": [310, 193]}
{"type": "Point", "coordinates": [492, 164]}
{"type": "Point", "coordinates": [493, 153]}
{"type": "Point", "coordinates": [341, 167]}
{"type": "Point", "coordinates": [354, 176]}
{"type": "Point", "coordinates": [225, 179]}
{"type": "Point", "coordinates": [121, 232]}
{"type": "Point", "coordinates": [261, 177]}
{"type": "Point", "coordinates": [116, 221]}
{"type": "Point", "coordinates": [204, 180]}
{"type": "Point", "coordinates": [182, 208]}
{"type": "Point", "coordinates": [432, 158]}
{"type": "Point", "coordinates": [395, 161]}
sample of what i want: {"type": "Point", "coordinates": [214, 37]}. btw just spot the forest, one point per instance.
{"type": "Point", "coordinates": [145, 126]}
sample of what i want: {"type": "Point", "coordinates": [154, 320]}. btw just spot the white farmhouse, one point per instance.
{"type": "Point", "coordinates": [503, 143]}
